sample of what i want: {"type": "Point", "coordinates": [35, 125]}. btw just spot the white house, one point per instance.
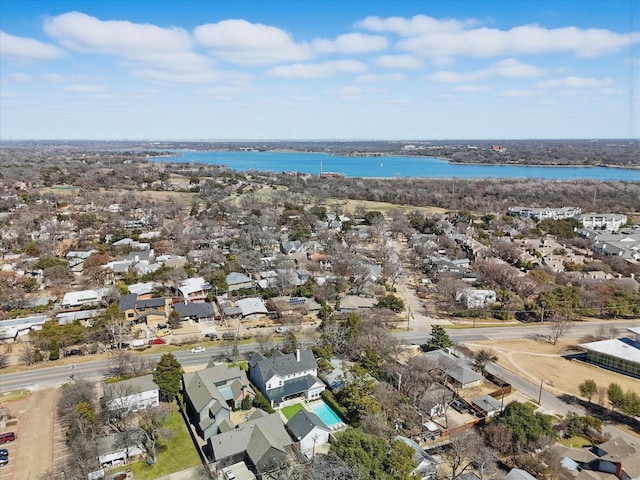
{"type": "Point", "coordinates": [472, 298]}
{"type": "Point", "coordinates": [80, 299]}
{"type": "Point", "coordinates": [194, 289]}
{"type": "Point", "coordinates": [116, 449]}
{"type": "Point", "coordinates": [309, 431]}
{"type": "Point", "coordinates": [284, 376]}
{"type": "Point", "coordinates": [133, 394]}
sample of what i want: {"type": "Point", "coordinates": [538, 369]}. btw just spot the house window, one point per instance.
{"type": "Point", "coordinates": [130, 315]}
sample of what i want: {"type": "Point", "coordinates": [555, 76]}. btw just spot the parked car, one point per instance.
{"type": "Point", "coordinates": [282, 329]}
{"type": "Point", "coordinates": [211, 336]}
{"type": "Point", "coordinates": [198, 350]}
{"type": "Point", "coordinates": [229, 475]}
{"type": "Point", "coordinates": [4, 452]}
{"type": "Point", "coordinates": [4, 460]}
{"type": "Point", "coordinates": [164, 333]}
{"type": "Point", "coordinates": [120, 346]}
{"type": "Point", "coordinates": [7, 437]}
{"type": "Point", "coordinates": [157, 341]}
{"type": "Point", "coordinates": [72, 352]}
{"type": "Point", "coordinates": [228, 336]}
{"type": "Point", "coordinates": [458, 406]}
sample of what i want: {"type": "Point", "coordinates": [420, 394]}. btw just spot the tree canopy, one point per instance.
{"type": "Point", "coordinates": [167, 376]}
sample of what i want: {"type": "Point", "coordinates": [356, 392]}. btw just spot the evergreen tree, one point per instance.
{"type": "Point", "coordinates": [439, 338]}
{"type": "Point", "coordinates": [615, 394]}
{"type": "Point", "coordinates": [167, 376]}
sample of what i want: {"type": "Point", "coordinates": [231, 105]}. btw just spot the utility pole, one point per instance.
{"type": "Point", "coordinates": [540, 394]}
{"type": "Point", "coordinates": [542, 304]}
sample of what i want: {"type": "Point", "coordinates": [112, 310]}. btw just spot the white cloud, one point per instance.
{"type": "Point", "coordinates": [510, 68]}
{"type": "Point", "coordinates": [351, 43]}
{"type": "Point", "coordinates": [19, 77]}
{"type": "Point", "coordinates": [514, 92]}
{"type": "Point", "coordinates": [417, 25]}
{"type": "Point", "coordinates": [24, 48]}
{"type": "Point", "coordinates": [471, 88]}
{"type": "Point", "coordinates": [145, 47]}
{"type": "Point", "coordinates": [239, 41]}
{"type": "Point", "coordinates": [317, 70]}
{"type": "Point", "coordinates": [53, 77]}
{"type": "Point", "coordinates": [374, 77]}
{"type": "Point", "coordinates": [431, 37]}
{"type": "Point", "coordinates": [399, 61]}
{"type": "Point", "coordinates": [86, 88]}
{"type": "Point", "coordinates": [575, 82]}
{"type": "Point", "coordinates": [344, 91]}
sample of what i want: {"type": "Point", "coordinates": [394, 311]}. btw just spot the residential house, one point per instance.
{"type": "Point", "coordinates": [252, 307]}
{"type": "Point", "coordinates": [200, 312]}
{"type": "Point", "coordinates": [238, 281]}
{"type": "Point", "coordinates": [283, 376]}
{"type": "Point", "coordinates": [487, 405]}
{"type": "Point", "coordinates": [289, 247]}
{"type": "Point", "coordinates": [308, 431]}
{"type": "Point", "coordinates": [435, 400]}
{"type": "Point", "coordinates": [211, 393]}
{"type": "Point", "coordinates": [194, 289]}
{"type": "Point", "coordinates": [289, 305]}
{"type": "Point", "coordinates": [427, 468]}
{"type": "Point", "coordinates": [261, 442]}
{"type": "Point", "coordinates": [457, 370]}
{"type": "Point", "coordinates": [11, 329]}
{"type": "Point", "coordinates": [77, 300]}
{"type": "Point", "coordinates": [473, 298]}
{"type": "Point", "coordinates": [116, 449]}
{"type": "Point", "coordinates": [133, 394]}
{"type": "Point", "coordinates": [615, 458]}
{"type": "Point", "coordinates": [148, 311]}
{"type": "Point", "coordinates": [519, 474]}
{"type": "Point", "coordinates": [353, 303]}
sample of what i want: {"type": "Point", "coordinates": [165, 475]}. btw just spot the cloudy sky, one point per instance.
{"type": "Point", "coordinates": [333, 69]}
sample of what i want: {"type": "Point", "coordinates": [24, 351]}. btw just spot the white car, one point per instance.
{"type": "Point", "coordinates": [198, 350]}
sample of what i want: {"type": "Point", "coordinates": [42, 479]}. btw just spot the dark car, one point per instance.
{"type": "Point", "coordinates": [4, 452]}
{"type": "Point", "coordinates": [4, 460]}
{"type": "Point", "coordinates": [72, 352]}
{"type": "Point", "coordinates": [119, 346]}
{"type": "Point", "coordinates": [211, 336]}
{"type": "Point", "coordinates": [228, 336]}
{"type": "Point", "coordinates": [458, 406]}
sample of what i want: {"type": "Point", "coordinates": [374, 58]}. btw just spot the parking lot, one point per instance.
{"type": "Point", "coordinates": [39, 446]}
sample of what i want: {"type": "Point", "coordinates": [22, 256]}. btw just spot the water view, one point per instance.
{"type": "Point", "coordinates": [391, 166]}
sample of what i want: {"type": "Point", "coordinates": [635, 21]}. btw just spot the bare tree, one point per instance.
{"type": "Point", "coordinates": [123, 363]}
{"type": "Point", "coordinates": [151, 421]}
{"type": "Point", "coordinates": [559, 328]}
{"type": "Point", "coordinates": [459, 452]}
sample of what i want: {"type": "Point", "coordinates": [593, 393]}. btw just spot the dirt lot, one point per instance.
{"type": "Point", "coordinates": [533, 359]}
{"type": "Point", "coordinates": [33, 450]}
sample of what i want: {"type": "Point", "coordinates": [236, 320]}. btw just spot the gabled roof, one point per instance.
{"type": "Point", "coordinates": [303, 423]}
{"type": "Point", "coordinates": [236, 278]}
{"type": "Point", "coordinates": [283, 364]}
{"type": "Point", "coordinates": [249, 306]}
{"type": "Point", "coordinates": [198, 310]}
{"type": "Point", "coordinates": [254, 437]}
{"type": "Point", "coordinates": [518, 474]}
{"type": "Point", "coordinates": [131, 386]}
{"type": "Point", "coordinates": [127, 302]}
{"type": "Point", "coordinates": [454, 367]}
{"type": "Point", "coordinates": [487, 403]}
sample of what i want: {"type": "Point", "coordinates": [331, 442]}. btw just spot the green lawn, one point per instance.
{"type": "Point", "coordinates": [174, 455]}
{"type": "Point", "coordinates": [291, 410]}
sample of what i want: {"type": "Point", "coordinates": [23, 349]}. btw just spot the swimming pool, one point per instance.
{"type": "Point", "coordinates": [328, 416]}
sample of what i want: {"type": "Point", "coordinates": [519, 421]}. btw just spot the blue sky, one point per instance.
{"type": "Point", "coordinates": [334, 69]}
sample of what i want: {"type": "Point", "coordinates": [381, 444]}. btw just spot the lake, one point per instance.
{"type": "Point", "coordinates": [390, 166]}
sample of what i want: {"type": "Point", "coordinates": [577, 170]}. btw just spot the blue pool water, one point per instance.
{"type": "Point", "coordinates": [328, 416]}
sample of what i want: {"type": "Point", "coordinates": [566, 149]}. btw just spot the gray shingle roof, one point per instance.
{"type": "Point", "coordinates": [127, 302]}
{"type": "Point", "coordinates": [303, 423]}
{"type": "Point", "coordinates": [254, 437]}
{"type": "Point", "coordinates": [198, 310]}
{"type": "Point", "coordinates": [131, 386]}
{"type": "Point", "coordinates": [283, 364]}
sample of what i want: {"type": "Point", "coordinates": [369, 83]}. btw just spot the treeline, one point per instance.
{"type": "Point", "coordinates": [479, 195]}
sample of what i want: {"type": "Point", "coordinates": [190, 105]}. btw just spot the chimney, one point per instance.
{"type": "Point", "coordinates": [297, 354]}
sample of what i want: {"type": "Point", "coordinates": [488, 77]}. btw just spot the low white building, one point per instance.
{"type": "Point", "coordinates": [133, 394]}
{"type": "Point", "coordinates": [309, 431]}
{"type": "Point", "coordinates": [472, 298]}
{"type": "Point", "coordinates": [606, 221]}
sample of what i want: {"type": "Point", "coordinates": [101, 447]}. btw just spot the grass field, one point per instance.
{"type": "Point", "coordinates": [167, 461]}
{"type": "Point", "coordinates": [291, 410]}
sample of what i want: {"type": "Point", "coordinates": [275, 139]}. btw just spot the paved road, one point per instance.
{"type": "Point", "coordinates": [54, 376]}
